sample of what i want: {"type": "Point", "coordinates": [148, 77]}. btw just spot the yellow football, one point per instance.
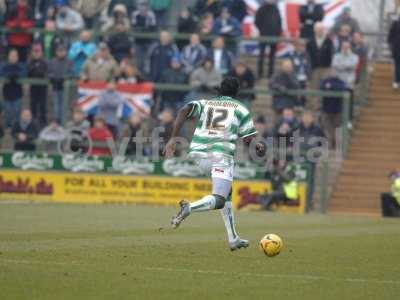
{"type": "Point", "coordinates": [271, 245]}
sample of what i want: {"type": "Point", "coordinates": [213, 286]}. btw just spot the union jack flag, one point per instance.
{"type": "Point", "coordinates": [138, 98]}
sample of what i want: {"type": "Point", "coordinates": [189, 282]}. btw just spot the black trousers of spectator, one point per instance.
{"type": "Point", "coordinates": [397, 69]}
{"type": "Point", "coordinates": [38, 101]}
{"type": "Point", "coordinates": [261, 58]}
{"type": "Point", "coordinates": [390, 206]}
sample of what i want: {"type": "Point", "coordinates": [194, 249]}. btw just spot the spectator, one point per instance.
{"type": "Point", "coordinates": [131, 132]}
{"type": "Point", "coordinates": [312, 137]}
{"type": "Point", "coordinates": [302, 65]}
{"type": "Point", "coordinates": [193, 54]}
{"type": "Point", "coordinates": [222, 58]}
{"type": "Point", "coordinates": [237, 8]}
{"type": "Point", "coordinates": [204, 80]}
{"type": "Point", "coordinates": [128, 72]}
{"type": "Point", "coordinates": [101, 66]}
{"type": "Point", "coordinates": [361, 50]}
{"type": "Point", "coordinates": [161, 9]}
{"type": "Point", "coordinates": [321, 50]}
{"type": "Point", "coordinates": [38, 69]}
{"type": "Point", "coordinates": [51, 136]}
{"type": "Point", "coordinates": [24, 132]}
{"type": "Point", "coordinates": [120, 43]}
{"type": "Point", "coordinates": [91, 10]}
{"type": "Point", "coordinates": [394, 42]}
{"type": "Point", "coordinates": [310, 14]}
{"type": "Point", "coordinates": [20, 18]}
{"type": "Point", "coordinates": [203, 7]}
{"type": "Point", "coordinates": [51, 40]}
{"type": "Point", "coordinates": [60, 69]}
{"type": "Point", "coordinates": [79, 125]}
{"type": "Point", "coordinates": [161, 55]}
{"type": "Point", "coordinates": [186, 24]}
{"type": "Point", "coordinates": [390, 202]}
{"type": "Point", "coordinates": [13, 70]}
{"type": "Point", "coordinates": [119, 16]}
{"type": "Point", "coordinates": [129, 5]}
{"type": "Point", "coordinates": [81, 50]}
{"type": "Point", "coordinates": [69, 21]}
{"type": "Point", "coordinates": [226, 25]}
{"type": "Point", "coordinates": [109, 108]}
{"type": "Point", "coordinates": [143, 20]}
{"type": "Point", "coordinates": [174, 75]}
{"type": "Point", "coordinates": [166, 123]}
{"type": "Point", "coordinates": [345, 63]}
{"type": "Point", "coordinates": [344, 35]}
{"type": "Point", "coordinates": [285, 128]}
{"type": "Point", "coordinates": [205, 27]}
{"type": "Point", "coordinates": [332, 106]}
{"type": "Point", "coordinates": [346, 19]}
{"type": "Point", "coordinates": [269, 23]}
{"type": "Point", "coordinates": [280, 83]}
{"type": "Point", "coordinates": [247, 81]}
{"type": "Point", "coordinates": [99, 134]}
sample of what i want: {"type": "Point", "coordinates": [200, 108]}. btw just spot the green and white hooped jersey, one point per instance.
{"type": "Point", "coordinates": [221, 121]}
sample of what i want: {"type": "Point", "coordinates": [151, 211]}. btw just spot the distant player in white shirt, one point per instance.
{"type": "Point", "coordinates": [220, 123]}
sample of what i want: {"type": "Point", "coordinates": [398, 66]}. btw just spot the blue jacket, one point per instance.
{"type": "Point", "coordinates": [333, 105]}
{"type": "Point", "coordinates": [79, 53]}
{"type": "Point", "coordinates": [226, 61]}
{"type": "Point", "coordinates": [233, 23]}
{"type": "Point", "coordinates": [12, 90]}
{"type": "Point", "coordinates": [160, 59]}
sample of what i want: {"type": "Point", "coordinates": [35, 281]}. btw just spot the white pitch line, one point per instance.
{"type": "Point", "coordinates": [220, 273]}
{"type": "Point", "coordinates": [284, 276]}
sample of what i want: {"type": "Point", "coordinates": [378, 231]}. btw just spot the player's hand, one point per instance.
{"type": "Point", "coordinates": [260, 148]}
{"type": "Point", "coordinates": [170, 149]}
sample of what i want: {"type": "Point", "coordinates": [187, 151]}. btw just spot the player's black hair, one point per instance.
{"type": "Point", "coordinates": [229, 87]}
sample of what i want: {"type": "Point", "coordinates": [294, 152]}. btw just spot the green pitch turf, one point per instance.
{"type": "Point", "coordinates": [128, 252]}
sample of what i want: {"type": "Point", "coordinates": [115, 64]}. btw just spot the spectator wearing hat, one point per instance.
{"type": "Point", "coordinates": [269, 22]}
{"type": "Point", "coordinates": [69, 21]}
{"type": "Point", "coordinates": [390, 202]}
{"type": "Point", "coordinates": [101, 66]}
{"type": "Point", "coordinates": [394, 43]}
{"type": "Point", "coordinates": [81, 50]}
{"type": "Point", "coordinates": [12, 71]}
{"type": "Point", "coordinates": [174, 75]}
{"type": "Point", "coordinates": [143, 20]}
{"type": "Point", "coordinates": [60, 69]}
{"type": "Point", "coordinates": [221, 57]}
{"type": "Point", "coordinates": [20, 18]}
{"type": "Point", "coordinates": [120, 43]}
{"type": "Point", "coordinates": [25, 132]}
{"type": "Point", "coordinates": [161, 55]}
{"type": "Point", "coordinates": [38, 69]}
{"type": "Point", "coordinates": [193, 54]}
{"type": "Point", "coordinates": [309, 14]}
{"type": "Point", "coordinates": [119, 16]}
{"type": "Point", "coordinates": [345, 18]}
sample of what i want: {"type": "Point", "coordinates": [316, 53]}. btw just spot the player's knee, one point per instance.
{"type": "Point", "coordinates": [219, 202]}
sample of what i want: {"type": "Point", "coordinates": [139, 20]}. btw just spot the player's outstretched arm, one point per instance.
{"type": "Point", "coordinates": [260, 147]}
{"type": "Point", "coordinates": [182, 116]}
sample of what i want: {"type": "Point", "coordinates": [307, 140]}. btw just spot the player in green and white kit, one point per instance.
{"type": "Point", "coordinates": [220, 123]}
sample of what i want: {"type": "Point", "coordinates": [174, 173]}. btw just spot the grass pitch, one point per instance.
{"type": "Point", "coordinates": [122, 252]}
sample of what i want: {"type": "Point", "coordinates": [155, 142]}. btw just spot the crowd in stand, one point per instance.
{"type": "Point", "coordinates": [91, 41]}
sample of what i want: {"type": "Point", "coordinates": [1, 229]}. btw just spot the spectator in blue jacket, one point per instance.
{"type": "Point", "coordinates": [332, 106]}
{"type": "Point", "coordinates": [221, 57]}
{"type": "Point", "coordinates": [161, 55]}
{"type": "Point", "coordinates": [193, 54]}
{"type": "Point", "coordinates": [81, 50]}
{"type": "Point", "coordinates": [226, 25]}
{"type": "Point", "coordinates": [238, 8]}
{"type": "Point", "coordinates": [12, 71]}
